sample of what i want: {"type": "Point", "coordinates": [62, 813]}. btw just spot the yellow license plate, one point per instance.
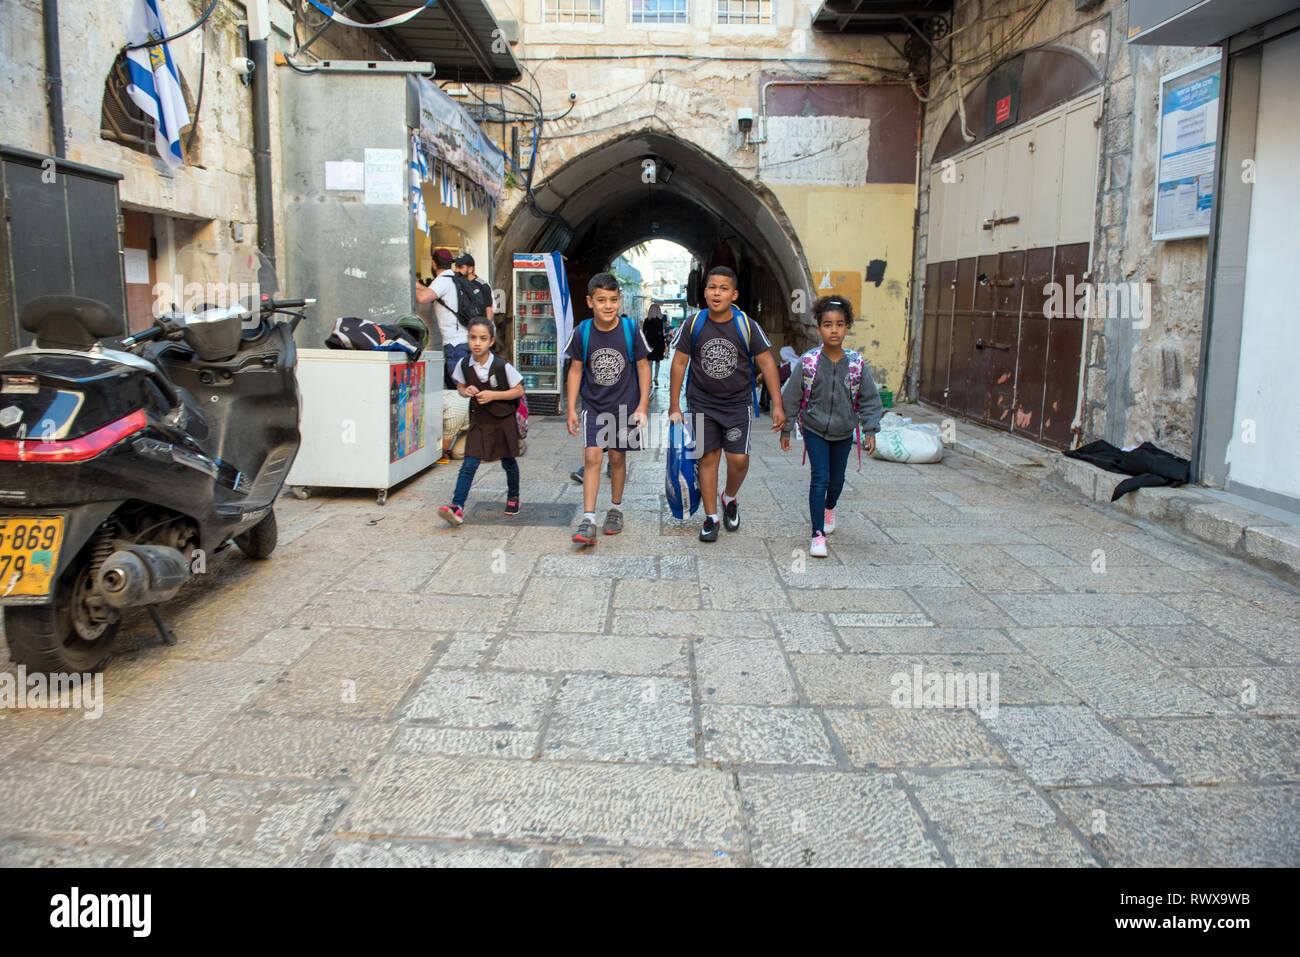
{"type": "Point", "coordinates": [29, 554]}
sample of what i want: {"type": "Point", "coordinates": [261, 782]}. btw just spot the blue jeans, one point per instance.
{"type": "Point", "coordinates": [828, 461]}
{"type": "Point", "coordinates": [466, 478]}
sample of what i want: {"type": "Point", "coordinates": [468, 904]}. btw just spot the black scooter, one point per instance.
{"type": "Point", "coordinates": [124, 467]}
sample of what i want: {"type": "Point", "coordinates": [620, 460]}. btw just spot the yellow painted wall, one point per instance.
{"type": "Point", "coordinates": [841, 230]}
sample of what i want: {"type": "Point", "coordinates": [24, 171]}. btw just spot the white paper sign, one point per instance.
{"type": "Point", "coordinates": [1188, 138]}
{"type": "Point", "coordinates": [385, 182]}
{"type": "Point", "coordinates": [345, 175]}
{"type": "Point", "coordinates": [136, 262]}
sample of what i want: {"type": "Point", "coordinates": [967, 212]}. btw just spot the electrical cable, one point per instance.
{"type": "Point", "coordinates": [198, 103]}
{"type": "Point", "coordinates": [175, 36]}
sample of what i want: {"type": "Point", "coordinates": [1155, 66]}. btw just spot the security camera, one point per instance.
{"type": "Point", "coordinates": [745, 119]}
{"type": "Point", "coordinates": [572, 96]}
{"type": "Point", "coordinates": [242, 65]}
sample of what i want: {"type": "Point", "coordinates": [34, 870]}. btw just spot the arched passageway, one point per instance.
{"type": "Point", "coordinates": [604, 205]}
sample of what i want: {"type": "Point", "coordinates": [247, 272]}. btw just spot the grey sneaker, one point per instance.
{"type": "Point", "coordinates": [613, 522]}
{"type": "Point", "coordinates": [586, 533]}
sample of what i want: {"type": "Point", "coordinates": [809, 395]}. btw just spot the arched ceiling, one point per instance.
{"type": "Point", "coordinates": [695, 202]}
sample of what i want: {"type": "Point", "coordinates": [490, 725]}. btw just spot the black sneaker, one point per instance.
{"type": "Point", "coordinates": [731, 515]}
{"type": "Point", "coordinates": [512, 506]}
{"type": "Point", "coordinates": [709, 533]}
{"type": "Point", "coordinates": [576, 476]}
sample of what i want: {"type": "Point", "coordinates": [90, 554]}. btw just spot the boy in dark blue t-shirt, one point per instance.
{"type": "Point", "coordinates": [722, 348]}
{"type": "Point", "coordinates": [611, 371]}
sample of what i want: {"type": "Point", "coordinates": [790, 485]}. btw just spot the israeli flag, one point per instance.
{"type": "Point", "coordinates": [155, 84]}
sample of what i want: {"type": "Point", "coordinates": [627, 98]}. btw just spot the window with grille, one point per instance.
{"type": "Point", "coordinates": [744, 11]}
{"type": "Point", "coordinates": [572, 11]}
{"type": "Point", "coordinates": [658, 11]}
{"type": "Point", "coordinates": [124, 122]}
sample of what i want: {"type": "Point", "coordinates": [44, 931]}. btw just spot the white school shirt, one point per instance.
{"type": "Point", "coordinates": [513, 378]}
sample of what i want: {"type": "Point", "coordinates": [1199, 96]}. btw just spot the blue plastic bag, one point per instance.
{"type": "Point", "coordinates": [681, 472]}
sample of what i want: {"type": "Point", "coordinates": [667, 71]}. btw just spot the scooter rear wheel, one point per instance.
{"type": "Point", "coordinates": [46, 639]}
{"type": "Point", "coordinates": [260, 540]}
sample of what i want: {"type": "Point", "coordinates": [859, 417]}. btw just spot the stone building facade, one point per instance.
{"type": "Point", "coordinates": [1138, 382]}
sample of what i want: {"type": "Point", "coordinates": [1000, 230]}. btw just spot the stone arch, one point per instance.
{"type": "Point", "coordinates": [604, 206]}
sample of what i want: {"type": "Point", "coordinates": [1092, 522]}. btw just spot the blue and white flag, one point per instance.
{"type": "Point", "coordinates": [419, 173]}
{"type": "Point", "coordinates": [155, 84]}
{"type": "Point", "coordinates": [378, 25]}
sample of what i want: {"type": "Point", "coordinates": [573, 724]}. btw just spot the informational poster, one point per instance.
{"type": "Point", "coordinates": [406, 409]}
{"type": "Point", "coordinates": [1188, 138]}
{"type": "Point", "coordinates": [385, 177]}
{"type": "Point", "coordinates": [345, 175]}
{"type": "Point", "coordinates": [136, 265]}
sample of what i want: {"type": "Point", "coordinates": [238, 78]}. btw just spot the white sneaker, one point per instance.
{"type": "Point", "coordinates": [818, 547]}
{"type": "Point", "coordinates": [830, 521]}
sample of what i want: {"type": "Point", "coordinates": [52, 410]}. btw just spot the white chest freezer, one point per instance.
{"type": "Point", "coordinates": [369, 419]}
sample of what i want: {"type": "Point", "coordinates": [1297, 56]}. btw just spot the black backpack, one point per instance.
{"type": "Point", "coordinates": [467, 304]}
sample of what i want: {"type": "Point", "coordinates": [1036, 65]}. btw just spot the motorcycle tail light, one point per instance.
{"type": "Point", "coordinates": [72, 450]}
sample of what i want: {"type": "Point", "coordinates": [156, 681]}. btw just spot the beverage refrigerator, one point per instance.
{"type": "Point", "coordinates": [536, 341]}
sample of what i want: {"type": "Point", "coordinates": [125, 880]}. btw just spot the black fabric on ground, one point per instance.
{"type": "Point", "coordinates": [1149, 465]}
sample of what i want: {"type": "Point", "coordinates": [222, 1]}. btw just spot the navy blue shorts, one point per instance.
{"type": "Point", "coordinates": [609, 430]}
{"type": "Point", "coordinates": [727, 431]}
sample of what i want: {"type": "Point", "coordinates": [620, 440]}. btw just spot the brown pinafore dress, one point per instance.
{"type": "Point", "coordinates": [493, 431]}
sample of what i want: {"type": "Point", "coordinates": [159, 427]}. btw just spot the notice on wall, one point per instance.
{"type": "Point", "coordinates": [345, 175]}
{"type": "Point", "coordinates": [136, 265]}
{"type": "Point", "coordinates": [1188, 138]}
{"type": "Point", "coordinates": [385, 177]}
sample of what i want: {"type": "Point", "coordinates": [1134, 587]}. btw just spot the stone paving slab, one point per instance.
{"type": "Point", "coordinates": [996, 818]}
{"type": "Point", "coordinates": [642, 720]}
{"type": "Point", "coordinates": [419, 796]}
{"type": "Point", "coordinates": [828, 819]}
{"type": "Point", "coordinates": [1221, 750]}
{"type": "Point", "coordinates": [911, 738]}
{"type": "Point", "coordinates": [1067, 746]}
{"type": "Point", "coordinates": [1187, 827]}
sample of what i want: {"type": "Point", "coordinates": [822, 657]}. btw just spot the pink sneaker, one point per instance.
{"type": "Point", "coordinates": [818, 547]}
{"type": "Point", "coordinates": [829, 525]}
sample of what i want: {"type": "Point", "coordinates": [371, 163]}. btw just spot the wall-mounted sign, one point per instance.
{"type": "Point", "coordinates": [1188, 140]}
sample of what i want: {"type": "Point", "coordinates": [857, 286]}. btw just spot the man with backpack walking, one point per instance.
{"type": "Point", "coordinates": [444, 294]}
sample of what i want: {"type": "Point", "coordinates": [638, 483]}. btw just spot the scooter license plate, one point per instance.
{"type": "Point", "coordinates": [29, 554]}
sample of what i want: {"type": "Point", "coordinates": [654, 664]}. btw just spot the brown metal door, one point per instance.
{"type": "Point", "coordinates": [930, 334]}
{"type": "Point", "coordinates": [1031, 359]}
{"type": "Point", "coordinates": [1008, 289]}
{"type": "Point", "coordinates": [977, 374]}
{"type": "Point", "coordinates": [963, 337]}
{"type": "Point", "coordinates": [1064, 350]}
{"type": "Point", "coordinates": [943, 330]}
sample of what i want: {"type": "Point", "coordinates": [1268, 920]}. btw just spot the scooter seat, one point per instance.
{"type": "Point", "coordinates": [69, 322]}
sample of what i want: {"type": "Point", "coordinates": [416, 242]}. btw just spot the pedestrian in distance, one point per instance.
{"type": "Point", "coordinates": [835, 397]}
{"type": "Point", "coordinates": [655, 332]}
{"type": "Point", "coordinates": [611, 372]}
{"type": "Point", "coordinates": [716, 352]}
{"type": "Point", "coordinates": [494, 388]}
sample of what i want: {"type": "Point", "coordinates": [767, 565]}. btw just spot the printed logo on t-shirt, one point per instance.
{"type": "Point", "coordinates": [607, 366]}
{"type": "Point", "coordinates": [718, 358]}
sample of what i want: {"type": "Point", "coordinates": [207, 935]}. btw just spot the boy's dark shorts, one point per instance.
{"type": "Point", "coordinates": [610, 431]}
{"type": "Point", "coordinates": [728, 431]}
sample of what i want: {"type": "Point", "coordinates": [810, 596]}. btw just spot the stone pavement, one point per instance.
{"type": "Point", "coordinates": [388, 691]}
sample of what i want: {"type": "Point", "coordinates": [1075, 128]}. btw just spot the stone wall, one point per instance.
{"type": "Point", "coordinates": [218, 186]}
{"type": "Point", "coordinates": [1139, 383]}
